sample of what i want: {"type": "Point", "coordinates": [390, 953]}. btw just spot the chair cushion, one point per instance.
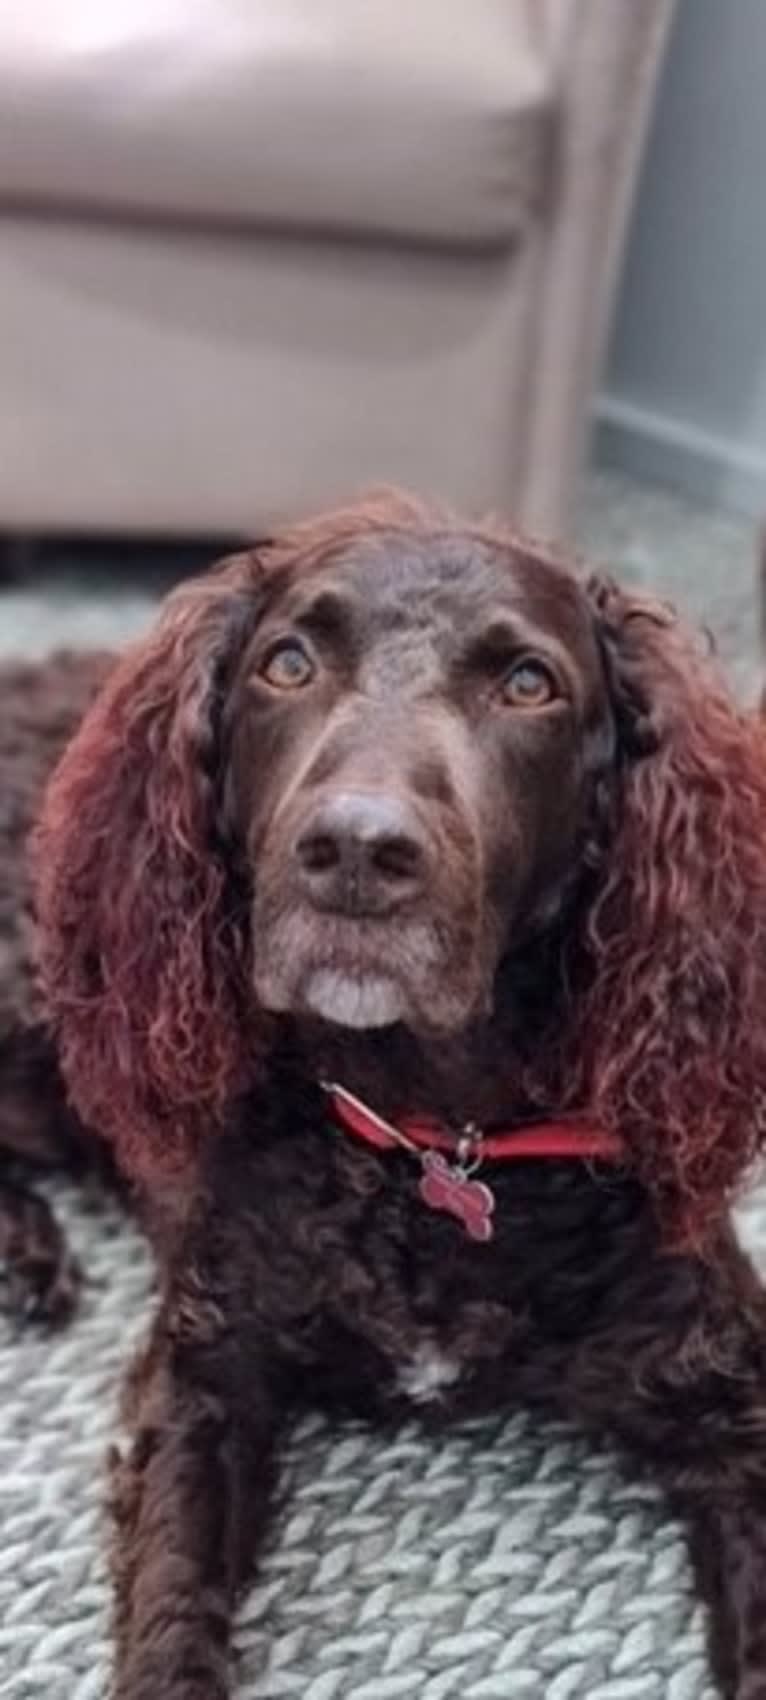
{"type": "Point", "coordinates": [427, 119]}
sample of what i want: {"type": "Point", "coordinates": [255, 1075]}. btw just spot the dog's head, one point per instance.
{"type": "Point", "coordinates": [413, 740]}
{"type": "Point", "coordinates": [357, 773]}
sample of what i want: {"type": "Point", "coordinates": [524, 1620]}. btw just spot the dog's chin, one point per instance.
{"type": "Point", "coordinates": [362, 1002]}
{"type": "Point", "coordinates": [354, 1000]}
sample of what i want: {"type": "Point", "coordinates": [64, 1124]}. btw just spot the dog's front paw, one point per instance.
{"type": "Point", "coordinates": [39, 1278]}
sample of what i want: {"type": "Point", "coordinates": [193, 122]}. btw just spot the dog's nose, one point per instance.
{"type": "Point", "coordinates": [362, 853]}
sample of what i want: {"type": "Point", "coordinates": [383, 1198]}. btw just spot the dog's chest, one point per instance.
{"type": "Point", "coordinates": [379, 1299]}
{"type": "Point", "coordinates": [427, 1307]}
{"type": "Point", "coordinates": [426, 1354]}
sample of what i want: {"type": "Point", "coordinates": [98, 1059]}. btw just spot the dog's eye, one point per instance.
{"type": "Point", "coordinates": [529, 684]}
{"type": "Point", "coordinates": [287, 666]}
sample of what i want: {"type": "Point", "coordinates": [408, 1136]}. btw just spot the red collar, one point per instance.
{"type": "Point", "coordinates": [541, 1139]}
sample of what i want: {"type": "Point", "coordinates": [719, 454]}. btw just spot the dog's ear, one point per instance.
{"type": "Point", "coordinates": [672, 1023]}
{"type": "Point", "coordinates": [142, 951]}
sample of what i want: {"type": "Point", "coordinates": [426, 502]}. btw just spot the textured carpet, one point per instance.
{"type": "Point", "coordinates": [505, 1561]}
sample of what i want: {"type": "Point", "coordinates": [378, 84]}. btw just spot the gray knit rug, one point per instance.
{"type": "Point", "coordinates": [502, 1561]}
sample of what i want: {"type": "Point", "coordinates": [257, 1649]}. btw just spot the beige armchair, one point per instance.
{"type": "Point", "coordinates": [255, 254]}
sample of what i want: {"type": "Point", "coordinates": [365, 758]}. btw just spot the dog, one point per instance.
{"type": "Point", "coordinates": [400, 922]}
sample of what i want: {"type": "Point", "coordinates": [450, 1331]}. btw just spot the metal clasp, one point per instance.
{"type": "Point", "coordinates": [470, 1149]}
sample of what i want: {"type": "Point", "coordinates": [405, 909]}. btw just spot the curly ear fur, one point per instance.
{"type": "Point", "coordinates": [143, 946]}
{"type": "Point", "coordinates": [141, 951]}
{"type": "Point", "coordinates": [668, 1042]}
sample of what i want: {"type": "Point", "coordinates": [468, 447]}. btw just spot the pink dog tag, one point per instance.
{"type": "Point", "coordinates": [445, 1186]}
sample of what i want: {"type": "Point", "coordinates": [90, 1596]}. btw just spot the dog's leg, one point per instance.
{"type": "Point", "coordinates": [40, 1278]}
{"type": "Point", "coordinates": [681, 1381]}
{"type": "Point", "coordinates": [190, 1505]}
{"type": "Point", "coordinates": [728, 1548]}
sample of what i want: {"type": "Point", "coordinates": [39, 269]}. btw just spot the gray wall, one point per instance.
{"type": "Point", "coordinates": [685, 392]}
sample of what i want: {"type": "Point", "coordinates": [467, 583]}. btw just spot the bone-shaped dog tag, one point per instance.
{"type": "Point", "coordinates": [445, 1186]}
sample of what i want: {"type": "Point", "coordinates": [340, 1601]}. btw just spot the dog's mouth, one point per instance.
{"type": "Point", "coordinates": [364, 976]}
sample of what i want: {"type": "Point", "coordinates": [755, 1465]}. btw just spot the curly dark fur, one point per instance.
{"type": "Point", "coordinates": [567, 918]}
{"type": "Point", "coordinates": [40, 707]}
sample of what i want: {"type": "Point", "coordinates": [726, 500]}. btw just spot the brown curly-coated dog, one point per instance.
{"type": "Point", "coordinates": [402, 920]}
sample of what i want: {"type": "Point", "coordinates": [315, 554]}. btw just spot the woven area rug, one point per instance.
{"type": "Point", "coordinates": [503, 1562]}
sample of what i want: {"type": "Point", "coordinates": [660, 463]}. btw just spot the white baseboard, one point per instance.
{"type": "Point", "coordinates": [673, 452]}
